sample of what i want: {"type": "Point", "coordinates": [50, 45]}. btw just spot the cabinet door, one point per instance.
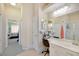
{"type": "Point", "coordinates": [51, 49]}
{"type": "Point", "coordinates": [59, 51]}
{"type": "Point", "coordinates": [56, 50]}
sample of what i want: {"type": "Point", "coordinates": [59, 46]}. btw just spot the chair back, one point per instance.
{"type": "Point", "coordinates": [45, 41]}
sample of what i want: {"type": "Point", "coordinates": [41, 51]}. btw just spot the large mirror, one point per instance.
{"type": "Point", "coordinates": [69, 20]}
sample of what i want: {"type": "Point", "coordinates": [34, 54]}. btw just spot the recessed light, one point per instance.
{"type": "Point", "coordinates": [60, 11]}
{"type": "Point", "coordinates": [13, 4]}
{"type": "Point", "coordinates": [42, 20]}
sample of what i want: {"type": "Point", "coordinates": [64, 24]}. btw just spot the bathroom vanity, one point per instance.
{"type": "Point", "coordinates": [63, 47]}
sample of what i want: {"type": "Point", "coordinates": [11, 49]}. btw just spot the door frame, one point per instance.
{"type": "Point", "coordinates": [7, 33]}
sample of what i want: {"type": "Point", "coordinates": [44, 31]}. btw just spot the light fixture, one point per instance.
{"type": "Point", "coordinates": [13, 4]}
{"type": "Point", "coordinates": [60, 11]}
{"type": "Point", "coordinates": [50, 25]}
{"type": "Point", "coordinates": [42, 20]}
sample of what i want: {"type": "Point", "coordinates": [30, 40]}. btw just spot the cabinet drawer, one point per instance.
{"type": "Point", "coordinates": [56, 50]}
{"type": "Point", "coordinates": [65, 51]}
{"type": "Point", "coordinates": [51, 49]}
{"type": "Point", "coordinates": [59, 51]}
{"type": "Point", "coordinates": [71, 53]}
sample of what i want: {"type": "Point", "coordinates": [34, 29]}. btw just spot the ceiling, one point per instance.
{"type": "Point", "coordinates": [45, 5]}
{"type": "Point", "coordinates": [72, 7]}
{"type": "Point", "coordinates": [18, 5]}
{"type": "Point", "coordinates": [13, 12]}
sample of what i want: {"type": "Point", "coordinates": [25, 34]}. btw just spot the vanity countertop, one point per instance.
{"type": "Point", "coordinates": [65, 43]}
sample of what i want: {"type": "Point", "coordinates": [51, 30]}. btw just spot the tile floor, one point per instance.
{"type": "Point", "coordinates": [14, 49]}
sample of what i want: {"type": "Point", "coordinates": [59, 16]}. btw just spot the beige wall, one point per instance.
{"type": "Point", "coordinates": [12, 12]}
{"type": "Point", "coordinates": [3, 29]}
{"type": "Point", "coordinates": [26, 26]}
{"type": "Point", "coordinates": [72, 17]}
{"type": "Point", "coordinates": [0, 29]}
{"type": "Point", "coordinates": [43, 16]}
{"type": "Point", "coordinates": [30, 35]}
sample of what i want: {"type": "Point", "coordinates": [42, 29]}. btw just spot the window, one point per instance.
{"type": "Point", "coordinates": [14, 29]}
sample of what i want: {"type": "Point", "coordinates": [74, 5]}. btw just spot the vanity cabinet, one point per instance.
{"type": "Point", "coordinates": [56, 50]}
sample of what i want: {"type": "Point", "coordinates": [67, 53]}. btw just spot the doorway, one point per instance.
{"type": "Point", "coordinates": [13, 31]}
{"type": "Point", "coordinates": [14, 46]}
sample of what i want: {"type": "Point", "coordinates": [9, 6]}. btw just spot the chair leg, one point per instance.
{"type": "Point", "coordinates": [44, 51]}
{"type": "Point", "coordinates": [45, 54]}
